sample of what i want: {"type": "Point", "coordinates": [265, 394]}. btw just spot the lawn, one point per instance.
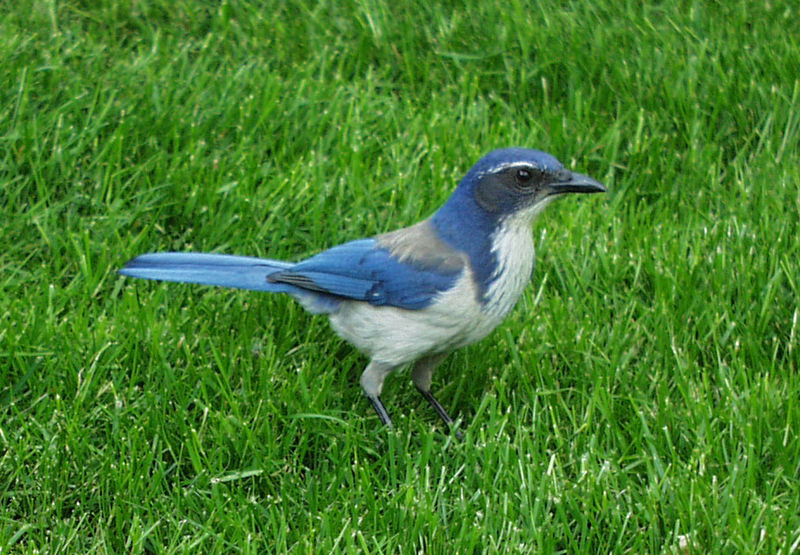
{"type": "Point", "coordinates": [643, 397]}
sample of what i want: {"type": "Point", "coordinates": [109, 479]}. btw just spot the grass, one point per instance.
{"type": "Point", "coordinates": [643, 397]}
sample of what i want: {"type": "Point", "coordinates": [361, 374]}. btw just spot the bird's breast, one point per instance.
{"type": "Point", "coordinates": [456, 317]}
{"type": "Point", "coordinates": [513, 248]}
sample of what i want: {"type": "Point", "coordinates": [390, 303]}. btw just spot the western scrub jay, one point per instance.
{"type": "Point", "coordinates": [418, 293]}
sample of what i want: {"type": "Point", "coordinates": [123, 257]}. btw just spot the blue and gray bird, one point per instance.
{"type": "Point", "coordinates": [418, 293]}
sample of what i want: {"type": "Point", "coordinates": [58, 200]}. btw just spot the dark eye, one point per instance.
{"type": "Point", "coordinates": [524, 176]}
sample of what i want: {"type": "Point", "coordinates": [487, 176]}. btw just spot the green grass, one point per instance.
{"type": "Point", "coordinates": [643, 397]}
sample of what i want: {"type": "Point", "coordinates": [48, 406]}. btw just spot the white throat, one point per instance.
{"type": "Point", "coordinates": [512, 244]}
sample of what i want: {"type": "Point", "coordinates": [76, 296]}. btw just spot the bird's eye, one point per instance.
{"type": "Point", "coordinates": [524, 176]}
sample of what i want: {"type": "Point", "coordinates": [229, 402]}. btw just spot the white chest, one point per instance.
{"type": "Point", "coordinates": [455, 319]}
{"type": "Point", "coordinates": [513, 247]}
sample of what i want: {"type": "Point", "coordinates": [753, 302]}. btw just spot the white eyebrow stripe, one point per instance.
{"type": "Point", "coordinates": [506, 165]}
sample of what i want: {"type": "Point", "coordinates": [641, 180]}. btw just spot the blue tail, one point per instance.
{"type": "Point", "coordinates": [243, 272]}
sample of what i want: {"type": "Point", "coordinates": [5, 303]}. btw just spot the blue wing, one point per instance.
{"type": "Point", "coordinates": [364, 270]}
{"type": "Point", "coordinates": [406, 268]}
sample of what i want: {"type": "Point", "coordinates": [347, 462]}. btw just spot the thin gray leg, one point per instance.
{"type": "Point", "coordinates": [421, 375]}
{"type": "Point", "coordinates": [380, 408]}
{"type": "Point", "coordinates": [372, 383]}
{"type": "Point", "coordinates": [436, 406]}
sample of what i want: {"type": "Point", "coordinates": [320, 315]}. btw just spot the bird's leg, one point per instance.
{"type": "Point", "coordinates": [421, 375]}
{"type": "Point", "coordinates": [436, 406]}
{"type": "Point", "coordinates": [380, 408]}
{"type": "Point", "coordinates": [372, 383]}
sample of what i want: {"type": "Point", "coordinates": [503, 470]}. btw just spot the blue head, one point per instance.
{"type": "Point", "coordinates": [507, 187]}
{"type": "Point", "coordinates": [508, 183]}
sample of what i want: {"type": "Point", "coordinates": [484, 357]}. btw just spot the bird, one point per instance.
{"type": "Point", "coordinates": [413, 295]}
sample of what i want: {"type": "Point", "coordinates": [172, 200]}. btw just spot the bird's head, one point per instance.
{"type": "Point", "coordinates": [507, 187]}
{"type": "Point", "coordinates": [520, 182]}
{"type": "Point", "coordinates": [505, 190]}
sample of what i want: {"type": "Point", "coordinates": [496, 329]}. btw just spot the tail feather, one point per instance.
{"type": "Point", "coordinates": [243, 272]}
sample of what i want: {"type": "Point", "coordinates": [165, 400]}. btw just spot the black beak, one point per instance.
{"type": "Point", "coordinates": [575, 183]}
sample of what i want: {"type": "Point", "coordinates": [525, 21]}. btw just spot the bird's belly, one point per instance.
{"type": "Point", "coordinates": [455, 319]}
{"type": "Point", "coordinates": [397, 336]}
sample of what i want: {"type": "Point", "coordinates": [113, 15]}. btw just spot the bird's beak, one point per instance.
{"type": "Point", "coordinates": [575, 183]}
